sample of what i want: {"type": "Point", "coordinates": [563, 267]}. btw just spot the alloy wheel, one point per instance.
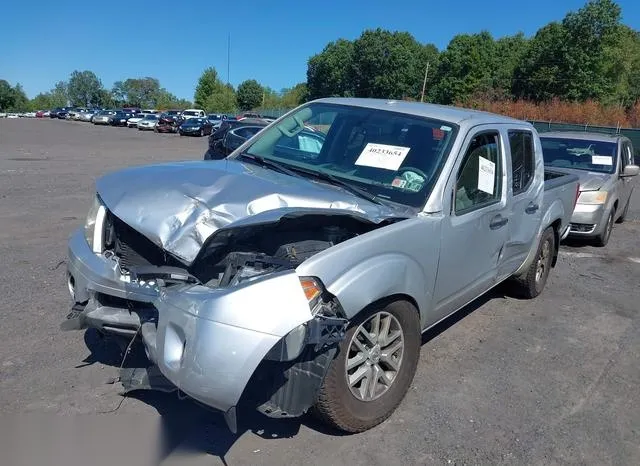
{"type": "Point", "coordinates": [374, 356]}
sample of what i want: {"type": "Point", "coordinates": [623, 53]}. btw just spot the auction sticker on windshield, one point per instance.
{"type": "Point", "coordinates": [601, 160]}
{"type": "Point", "coordinates": [382, 156]}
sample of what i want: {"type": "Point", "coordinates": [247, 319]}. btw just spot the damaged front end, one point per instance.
{"type": "Point", "coordinates": [239, 322]}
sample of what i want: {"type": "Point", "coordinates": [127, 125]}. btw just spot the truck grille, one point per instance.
{"type": "Point", "coordinates": [133, 248]}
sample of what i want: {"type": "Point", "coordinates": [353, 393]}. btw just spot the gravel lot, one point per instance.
{"type": "Point", "coordinates": [550, 381]}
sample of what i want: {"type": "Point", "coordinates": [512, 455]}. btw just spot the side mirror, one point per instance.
{"type": "Point", "coordinates": [630, 170]}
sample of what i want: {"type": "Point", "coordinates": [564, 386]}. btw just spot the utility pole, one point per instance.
{"type": "Point", "coordinates": [228, 55]}
{"type": "Point", "coordinates": [424, 84]}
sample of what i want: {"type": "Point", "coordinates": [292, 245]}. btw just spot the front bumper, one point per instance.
{"type": "Point", "coordinates": [206, 342]}
{"type": "Point", "coordinates": [587, 220]}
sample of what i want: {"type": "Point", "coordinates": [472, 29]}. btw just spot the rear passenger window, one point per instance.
{"type": "Point", "coordinates": [522, 160]}
{"type": "Point", "coordinates": [479, 181]}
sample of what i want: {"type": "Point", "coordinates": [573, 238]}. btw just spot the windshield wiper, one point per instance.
{"type": "Point", "coordinates": [343, 184]}
{"type": "Point", "coordinates": [269, 163]}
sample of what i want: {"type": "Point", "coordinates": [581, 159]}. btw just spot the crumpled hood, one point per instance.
{"type": "Point", "coordinates": [178, 206]}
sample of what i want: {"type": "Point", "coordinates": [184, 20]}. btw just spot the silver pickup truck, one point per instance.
{"type": "Point", "coordinates": [300, 271]}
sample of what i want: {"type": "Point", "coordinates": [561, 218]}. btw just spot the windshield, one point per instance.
{"type": "Point", "coordinates": [393, 156]}
{"type": "Point", "coordinates": [150, 117]}
{"type": "Point", "coordinates": [190, 113]}
{"type": "Point", "coordinates": [195, 121]}
{"type": "Point", "coordinates": [581, 154]}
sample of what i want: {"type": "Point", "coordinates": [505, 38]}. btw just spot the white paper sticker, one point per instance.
{"type": "Point", "coordinates": [382, 156]}
{"type": "Point", "coordinates": [486, 175]}
{"type": "Point", "coordinates": [601, 160]}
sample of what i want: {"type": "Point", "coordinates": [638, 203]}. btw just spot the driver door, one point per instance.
{"type": "Point", "coordinates": [474, 229]}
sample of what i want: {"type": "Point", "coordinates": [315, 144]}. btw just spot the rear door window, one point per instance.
{"type": "Point", "coordinates": [522, 160]}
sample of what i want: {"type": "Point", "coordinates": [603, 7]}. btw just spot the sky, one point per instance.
{"type": "Point", "coordinates": [270, 41]}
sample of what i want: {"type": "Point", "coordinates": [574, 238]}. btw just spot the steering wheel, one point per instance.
{"type": "Point", "coordinates": [415, 170]}
{"type": "Point", "coordinates": [299, 128]}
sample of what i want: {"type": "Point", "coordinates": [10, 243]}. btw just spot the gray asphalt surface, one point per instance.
{"type": "Point", "coordinates": [550, 381]}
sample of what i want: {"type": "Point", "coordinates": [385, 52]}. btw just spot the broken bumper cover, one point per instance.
{"type": "Point", "coordinates": [207, 342]}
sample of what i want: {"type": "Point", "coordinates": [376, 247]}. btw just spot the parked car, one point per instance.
{"type": "Point", "coordinates": [193, 113]}
{"type": "Point", "coordinates": [3, 115]}
{"type": "Point", "coordinates": [41, 114]}
{"type": "Point", "coordinates": [220, 146]}
{"type": "Point", "coordinates": [605, 166]}
{"type": "Point", "coordinates": [168, 123]}
{"type": "Point", "coordinates": [215, 119]}
{"type": "Point", "coordinates": [301, 278]}
{"type": "Point", "coordinates": [248, 115]}
{"type": "Point", "coordinates": [30, 114]}
{"type": "Point", "coordinates": [60, 112]}
{"type": "Point", "coordinates": [133, 122]}
{"type": "Point", "coordinates": [120, 118]}
{"type": "Point", "coordinates": [131, 110]}
{"type": "Point", "coordinates": [13, 115]}
{"type": "Point", "coordinates": [148, 123]}
{"type": "Point", "coordinates": [195, 127]}
{"type": "Point", "coordinates": [88, 115]}
{"type": "Point", "coordinates": [150, 111]}
{"type": "Point", "coordinates": [103, 117]}
{"type": "Point", "coordinates": [74, 114]}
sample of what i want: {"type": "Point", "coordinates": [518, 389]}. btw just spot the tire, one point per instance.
{"type": "Point", "coordinates": [532, 283]}
{"type": "Point", "coordinates": [603, 238]}
{"type": "Point", "coordinates": [338, 403]}
{"type": "Point", "coordinates": [201, 132]}
{"type": "Point", "coordinates": [623, 217]}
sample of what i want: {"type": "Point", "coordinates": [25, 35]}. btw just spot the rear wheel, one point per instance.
{"type": "Point", "coordinates": [531, 285]}
{"type": "Point", "coordinates": [603, 238]}
{"type": "Point", "coordinates": [373, 369]}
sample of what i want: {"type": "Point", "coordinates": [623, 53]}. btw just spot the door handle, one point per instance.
{"type": "Point", "coordinates": [532, 208]}
{"type": "Point", "coordinates": [498, 222]}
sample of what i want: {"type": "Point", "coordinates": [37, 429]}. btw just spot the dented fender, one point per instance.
{"type": "Point", "coordinates": [208, 342]}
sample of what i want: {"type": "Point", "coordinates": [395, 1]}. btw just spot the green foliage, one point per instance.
{"type": "Point", "coordinates": [208, 85]}
{"type": "Point", "coordinates": [12, 99]}
{"type": "Point", "coordinates": [249, 95]}
{"type": "Point", "coordinates": [6, 95]}
{"type": "Point", "coordinates": [139, 92]}
{"type": "Point", "coordinates": [466, 67]}
{"type": "Point", "coordinates": [389, 65]}
{"type": "Point", "coordinates": [84, 89]}
{"type": "Point", "coordinates": [294, 96]}
{"type": "Point", "coordinates": [166, 100]}
{"type": "Point", "coordinates": [222, 101]}
{"type": "Point", "coordinates": [329, 72]}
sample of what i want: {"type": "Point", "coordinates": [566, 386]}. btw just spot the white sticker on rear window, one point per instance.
{"type": "Point", "coordinates": [601, 160]}
{"type": "Point", "coordinates": [486, 175]}
{"type": "Point", "coordinates": [382, 156]}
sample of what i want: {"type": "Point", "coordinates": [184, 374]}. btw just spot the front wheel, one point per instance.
{"type": "Point", "coordinates": [374, 367]}
{"type": "Point", "coordinates": [603, 238]}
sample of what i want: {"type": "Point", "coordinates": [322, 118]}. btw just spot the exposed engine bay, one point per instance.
{"type": "Point", "coordinates": [235, 255]}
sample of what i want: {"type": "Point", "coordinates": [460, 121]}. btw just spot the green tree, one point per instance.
{"type": "Point", "coordinates": [390, 64]}
{"type": "Point", "coordinates": [466, 68]}
{"type": "Point", "coordinates": [7, 96]}
{"type": "Point", "coordinates": [208, 85]}
{"type": "Point", "coordinates": [222, 101]}
{"type": "Point", "coordinates": [541, 73]}
{"type": "Point", "coordinates": [166, 100]}
{"type": "Point", "coordinates": [84, 88]}
{"type": "Point", "coordinates": [42, 101]}
{"type": "Point", "coordinates": [59, 97]}
{"type": "Point", "coordinates": [20, 100]}
{"type": "Point", "coordinates": [329, 73]}
{"type": "Point", "coordinates": [294, 96]}
{"type": "Point", "coordinates": [249, 94]}
{"type": "Point", "coordinates": [574, 59]}
{"type": "Point", "coordinates": [139, 92]}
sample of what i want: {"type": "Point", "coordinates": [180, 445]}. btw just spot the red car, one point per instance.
{"type": "Point", "coordinates": [40, 114]}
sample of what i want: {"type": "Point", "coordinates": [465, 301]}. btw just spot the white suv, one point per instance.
{"type": "Point", "coordinates": [193, 113]}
